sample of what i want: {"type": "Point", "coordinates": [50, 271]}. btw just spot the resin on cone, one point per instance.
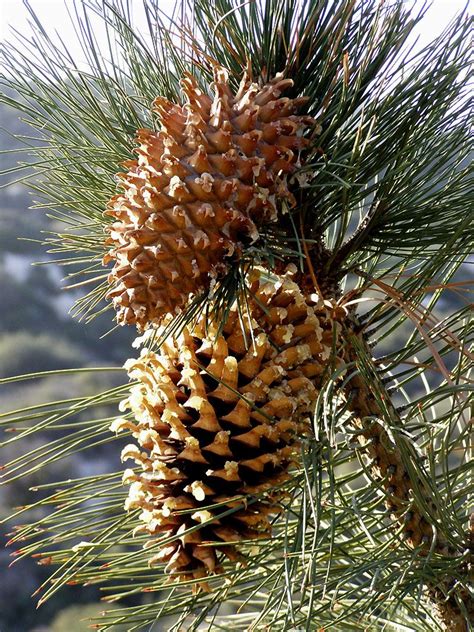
{"type": "Point", "coordinates": [220, 417]}
{"type": "Point", "coordinates": [200, 189]}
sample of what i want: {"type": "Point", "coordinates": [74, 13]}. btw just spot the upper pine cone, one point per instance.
{"type": "Point", "coordinates": [199, 190]}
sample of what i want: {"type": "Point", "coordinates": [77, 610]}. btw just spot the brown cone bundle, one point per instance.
{"type": "Point", "coordinates": [220, 417]}
{"type": "Point", "coordinates": [200, 188]}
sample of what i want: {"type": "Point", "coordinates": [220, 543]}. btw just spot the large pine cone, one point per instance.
{"type": "Point", "coordinates": [200, 189]}
{"type": "Point", "coordinates": [219, 416]}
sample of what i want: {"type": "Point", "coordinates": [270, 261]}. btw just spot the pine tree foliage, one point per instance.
{"type": "Point", "coordinates": [373, 530]}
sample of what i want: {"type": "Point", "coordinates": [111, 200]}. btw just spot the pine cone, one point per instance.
{"type": "Point", "coordinates": [221, 417]}
{"type": "Point", "coordinates": [200, 189]}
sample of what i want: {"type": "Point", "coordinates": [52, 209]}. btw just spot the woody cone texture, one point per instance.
{"type": "Point", "coordinates": [218, 418]}
{"type": "Point", "coordinates": [199, 190]}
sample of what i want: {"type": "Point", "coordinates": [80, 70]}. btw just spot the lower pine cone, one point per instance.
{"type": "Point", "coordinates": [218, 417]}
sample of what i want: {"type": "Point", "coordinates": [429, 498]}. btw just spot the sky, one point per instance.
{"type": "Point", "coordinates": [54, 13]}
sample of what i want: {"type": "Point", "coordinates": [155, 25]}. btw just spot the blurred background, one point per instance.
{"type": "Point", "coordinates": [37, 334]}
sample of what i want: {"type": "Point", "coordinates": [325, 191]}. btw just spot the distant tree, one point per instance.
{"type": "Point", "coordinates": [23, 352]}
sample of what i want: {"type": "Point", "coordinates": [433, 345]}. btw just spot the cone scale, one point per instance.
{"type": "Point", "coordinates": [199, 191]}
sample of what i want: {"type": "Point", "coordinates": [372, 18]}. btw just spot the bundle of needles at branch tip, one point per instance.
{"type": "Point", "coordinates": [277, 197]}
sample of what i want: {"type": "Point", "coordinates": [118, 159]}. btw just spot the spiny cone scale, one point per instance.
{"type": "Point", "coordinates": [199, 190]}
{"type": "Point", "coordinates": [217, 417]}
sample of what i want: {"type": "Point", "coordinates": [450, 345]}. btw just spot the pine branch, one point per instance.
{"type": "Point", "coordinates": [381, 192]}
